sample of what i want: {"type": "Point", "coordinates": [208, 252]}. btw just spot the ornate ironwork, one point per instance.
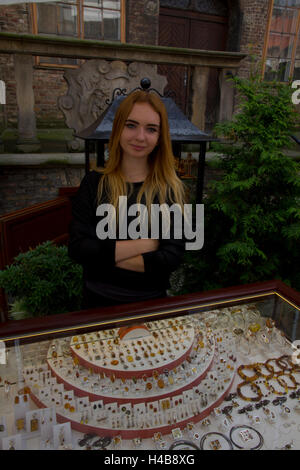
{"type": "Point", "coordinates": [116, 92]}
{"type": "Point", "coordinates": [145, 85]}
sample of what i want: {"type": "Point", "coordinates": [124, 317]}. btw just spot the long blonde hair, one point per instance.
{"type": "Point", "coordinates": [162, 180]}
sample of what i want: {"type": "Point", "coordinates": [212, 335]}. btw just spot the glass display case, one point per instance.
{"type": "Point", "coordinates": [214, 370]}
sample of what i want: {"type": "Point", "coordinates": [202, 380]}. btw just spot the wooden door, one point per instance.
{"type": "Point", "coordinates": [174, 32]}
{"type": "Point", "coordinates": [210, 34]}
{"type": "Point", "coordinates": [182, 28]}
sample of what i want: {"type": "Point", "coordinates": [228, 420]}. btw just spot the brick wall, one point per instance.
{"type": "Point", "coordinates": [253, 30]}
{"type": "Point", "coordinates": [142, 21]}
{"type": "Point", "coordinates": [48, 85]}
{"type": "Point", "coordinates": [15, 18]}
{"type": "Point", "coordinates": [21, 187]}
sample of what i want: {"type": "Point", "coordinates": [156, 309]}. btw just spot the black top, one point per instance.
{"type": "Point", "coordinates": [98, 256]}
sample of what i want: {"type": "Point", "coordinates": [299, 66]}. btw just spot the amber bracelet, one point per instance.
{"type": "Point", "coordinates": [284, 362]}
{"type": "Point", "coordinates": [245, 377]}
{"type": "Point", "coordinates": [296, 371]}
{"type": "Point", "coordinates": [272, 389]}
{"type": "Point", "coordinates": [253, 387]}
{"type": "Point", "coordinates": [284, 384]}
{"type": "Point", "coordinates": [268, 367]}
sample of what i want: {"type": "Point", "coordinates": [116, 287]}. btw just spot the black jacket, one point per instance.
{"type": "Point", "coordinates": [98, 256]}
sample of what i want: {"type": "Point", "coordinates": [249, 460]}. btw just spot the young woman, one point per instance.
{"type": "Point", "coordinates": [141, 167]}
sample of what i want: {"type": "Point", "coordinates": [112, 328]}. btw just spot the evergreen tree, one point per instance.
{"type": "Point", "coordinates": [252, 213]}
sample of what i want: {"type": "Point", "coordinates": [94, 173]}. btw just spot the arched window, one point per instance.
{"type": "Point", "coordinates": [282, 48]}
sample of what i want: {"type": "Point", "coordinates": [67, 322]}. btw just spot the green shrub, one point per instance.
{"type": "Point", "coordinates": [252, 212]}
{"type": "Point", "coordinates": [44, 281]}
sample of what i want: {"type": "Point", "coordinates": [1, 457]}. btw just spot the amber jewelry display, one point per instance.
{"type": "Point", "coordinates": [178, 377]}
{"type": "Point", "coordinates": [126, 357]}
{"type": "Point", "coordinates": [208, 371]}
{"type": "Point", "coordinates": [254, 388]}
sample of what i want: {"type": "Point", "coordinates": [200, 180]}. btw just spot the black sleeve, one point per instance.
{"type": "Point", "coordinates": [84, 245]}
{"type": "Point", "coordinates": [168, 257]}
{"type": "Point", "coordinates": [164, 260]}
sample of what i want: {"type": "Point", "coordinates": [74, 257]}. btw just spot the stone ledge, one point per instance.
{"type": "Point", "coordinates": [30, 44]}
{"type": "Point", "coordinates": [33, 159]}
{"type": "Point", "coordinates": [65, 159]}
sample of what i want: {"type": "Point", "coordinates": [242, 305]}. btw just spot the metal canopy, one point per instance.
{"type": "Point", "coordinates": [182, 130]}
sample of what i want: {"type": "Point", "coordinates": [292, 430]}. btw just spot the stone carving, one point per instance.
{"type": "Point", "coordinates": [183, 4]}
{"type": "Point", "coordinates": [210, 7]}
{"type": "Point", "coordinates": [91, 86]}
{"type": "Point", "coordinates": [152, 8]}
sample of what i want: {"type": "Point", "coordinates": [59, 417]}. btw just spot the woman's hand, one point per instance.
{"type": "Point", "coordinates": [126, 249]}
{"type": "Point", "coordinates": [136, 263]}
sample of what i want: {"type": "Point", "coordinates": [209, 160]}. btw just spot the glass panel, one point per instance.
{"type": "Point", "coordinates": [57, 61]}
{"type": "Point", "coordinates": [112, 4]}
{"type": "Point", "coordinates": [280, 46]}
{"type": "Point", "coordinates": [95, 3]}
{"type": "Point", "coordinates": [296, 75]}
{"type": "Point", "coordinates": [271, 68]}
{"type": "Point", "coordinates": [286, 46]}
{"type": "Point", "coordinates": [68, 21]}
{"type": "Point", "coordinates": [280, 3]}
{"type": "Point", "coordinates": [107, 4]}
{"type": "Point", "coordinates": [111, 25]}
{"type": "Point", "coordinates": [293, 3]}
{"type": "Point", "coordinates": [57, 19]}
{"type": "Point", "coordinates": [277, 69]}
{"type": "Point", "coordinates": [287, 3]}
{"type": "Point", "coordinates": [202, 373]}
{"type": "Point", "coordinates": [274, 45]}
{"type": "Point", "coordinates": [284, 21]}
{"type": "Point", "coordinates": [93, 28]}
{"type": "Point", "coordinates": [298, 48]}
